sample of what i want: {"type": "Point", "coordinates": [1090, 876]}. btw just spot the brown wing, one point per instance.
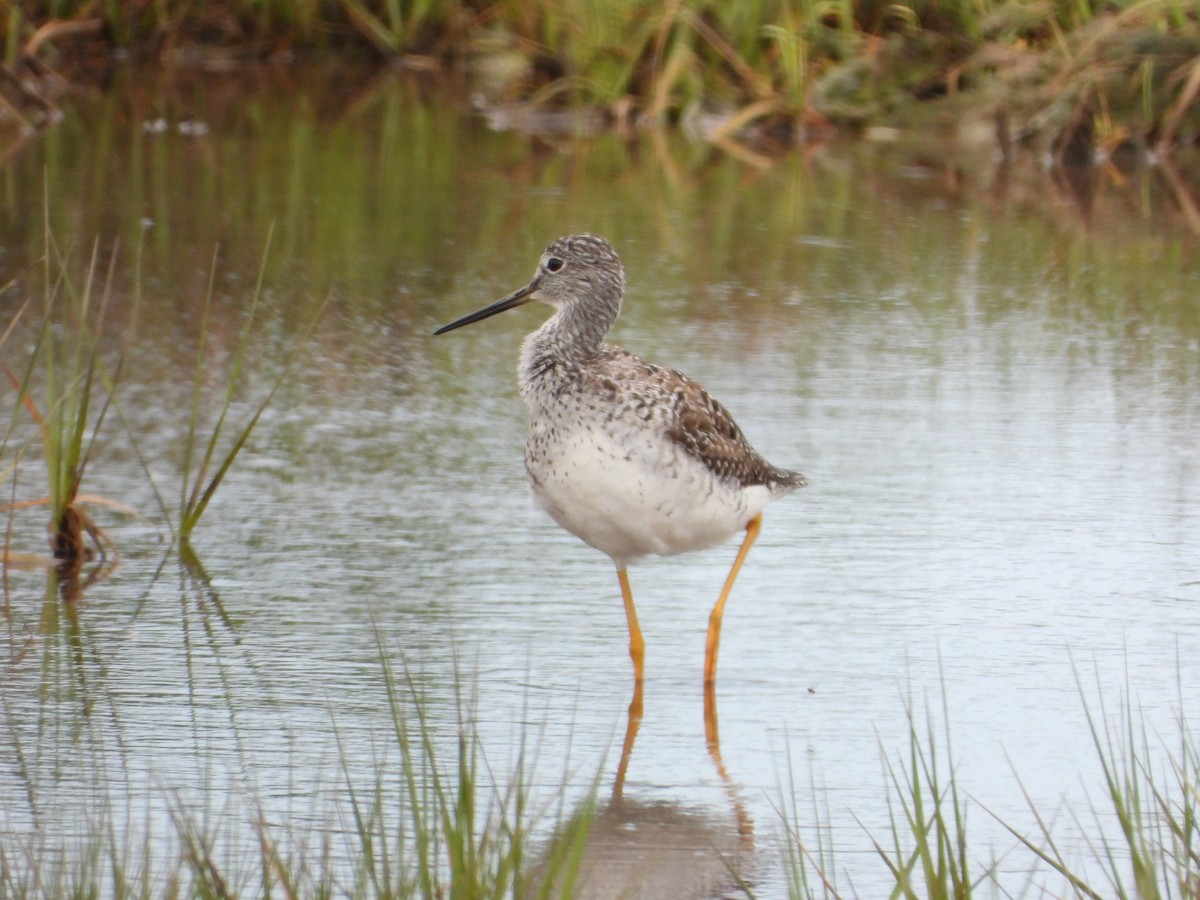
{"type": "Point", "coordinates": [692, 418]}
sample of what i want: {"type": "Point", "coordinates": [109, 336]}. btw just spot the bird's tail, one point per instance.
{"type": "Point", "coordinates": [785, 480]}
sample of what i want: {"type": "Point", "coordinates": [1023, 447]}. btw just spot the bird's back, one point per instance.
{"type": "Point", "coordinates": [686, 414]}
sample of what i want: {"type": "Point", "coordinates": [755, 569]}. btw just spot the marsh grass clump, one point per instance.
{"type": "Point", "coordinates": [429, 818]}
{"type": "Point", "coordinates": [928, 856]}
{"type": "Point", "coordinates": [471, 835]}
{"type": "Point", "coordinates": [66, 388]}
{"type": "Point", "coordinates": [1153, 789]}
{"type": "Point", "coordinates": [1151, 782]}
{"type": "Point", "coordinates": [204, 465]}
{"type": "Point", "coordinates": [810, 869]}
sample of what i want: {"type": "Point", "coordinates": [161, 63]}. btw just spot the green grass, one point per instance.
{"type": "Point", "coordinates": [811, 869]}
{"type": "Point", "coordinates": [204, 467]}
{"type": "Point", "coordinates": [455, 830]}
{"type": "Point", "coordinates": [928, 854]}
{"type": "Point", "coordinates": [471, 841]}
{"type": "Point", "coordinates": [432, 817]}
{"type": "Point", "coordinates": [1152, 784]}
{"type": "Point", "coordinates": [1154, 793]}
{"type": "Point", "coordinates": [66, 388]}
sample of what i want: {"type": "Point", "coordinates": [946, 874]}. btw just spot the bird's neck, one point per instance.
{"type": "Point", "coordinates": [569, 337]}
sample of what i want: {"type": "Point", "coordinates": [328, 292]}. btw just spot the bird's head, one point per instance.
{"type": "Point", "coordinates": [580, 273]}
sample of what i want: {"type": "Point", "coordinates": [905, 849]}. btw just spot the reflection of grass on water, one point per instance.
{"type": "Point", "coordinates": [928, 852]}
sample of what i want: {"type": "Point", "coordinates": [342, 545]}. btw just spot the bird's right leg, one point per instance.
{"type": "Point", "coordinates": [637, 645]}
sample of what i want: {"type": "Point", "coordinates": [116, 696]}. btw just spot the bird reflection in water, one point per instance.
{"type": "Point", "coordinates": [643, 848]}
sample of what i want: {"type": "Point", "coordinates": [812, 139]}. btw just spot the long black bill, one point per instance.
{"type": "Point", "coordinates": [513, 300]}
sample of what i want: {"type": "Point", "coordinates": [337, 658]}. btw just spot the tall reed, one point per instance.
{"type": "Point", "coordinates": [67, 389]}
{"type": "Point", "coordinates": [204, 466]}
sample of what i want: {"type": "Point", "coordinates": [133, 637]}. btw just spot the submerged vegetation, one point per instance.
{"type": "Point", "coordinates": [1080, 74]}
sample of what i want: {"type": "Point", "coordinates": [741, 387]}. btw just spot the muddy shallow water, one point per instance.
{"type": "Point", "coordinates": [989, 376]}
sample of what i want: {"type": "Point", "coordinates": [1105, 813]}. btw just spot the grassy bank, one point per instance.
{"type": "Point", "coordinates": [1084, 75]}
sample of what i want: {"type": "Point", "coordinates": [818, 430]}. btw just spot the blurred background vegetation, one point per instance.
{"type": "Point", "coordinates": [1088, 76]}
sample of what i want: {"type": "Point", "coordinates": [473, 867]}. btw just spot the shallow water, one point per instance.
{"type": "Point", "coordinates": [990, 379]}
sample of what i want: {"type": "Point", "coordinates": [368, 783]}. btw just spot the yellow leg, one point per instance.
{"type": "Point", "coordinates": [637, 646]}
{"type": "Point", "coordinates": [753, 527]}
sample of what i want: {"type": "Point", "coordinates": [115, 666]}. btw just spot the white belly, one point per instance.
{"type": "Point", "coordinates": [630, 495]}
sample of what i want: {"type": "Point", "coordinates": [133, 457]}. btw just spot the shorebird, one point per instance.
{"type": "Point", "coordinates": [633, 458]}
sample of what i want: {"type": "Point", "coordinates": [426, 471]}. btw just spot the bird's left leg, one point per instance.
{"type": "Point", "coordinates": [753, 527]}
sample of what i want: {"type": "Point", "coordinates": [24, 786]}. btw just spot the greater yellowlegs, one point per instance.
{"type": "Point", "coordinates": [631, 457]}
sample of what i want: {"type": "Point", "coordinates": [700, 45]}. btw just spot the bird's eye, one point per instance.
{"type": "Point", "coordinates": [553, 264]}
